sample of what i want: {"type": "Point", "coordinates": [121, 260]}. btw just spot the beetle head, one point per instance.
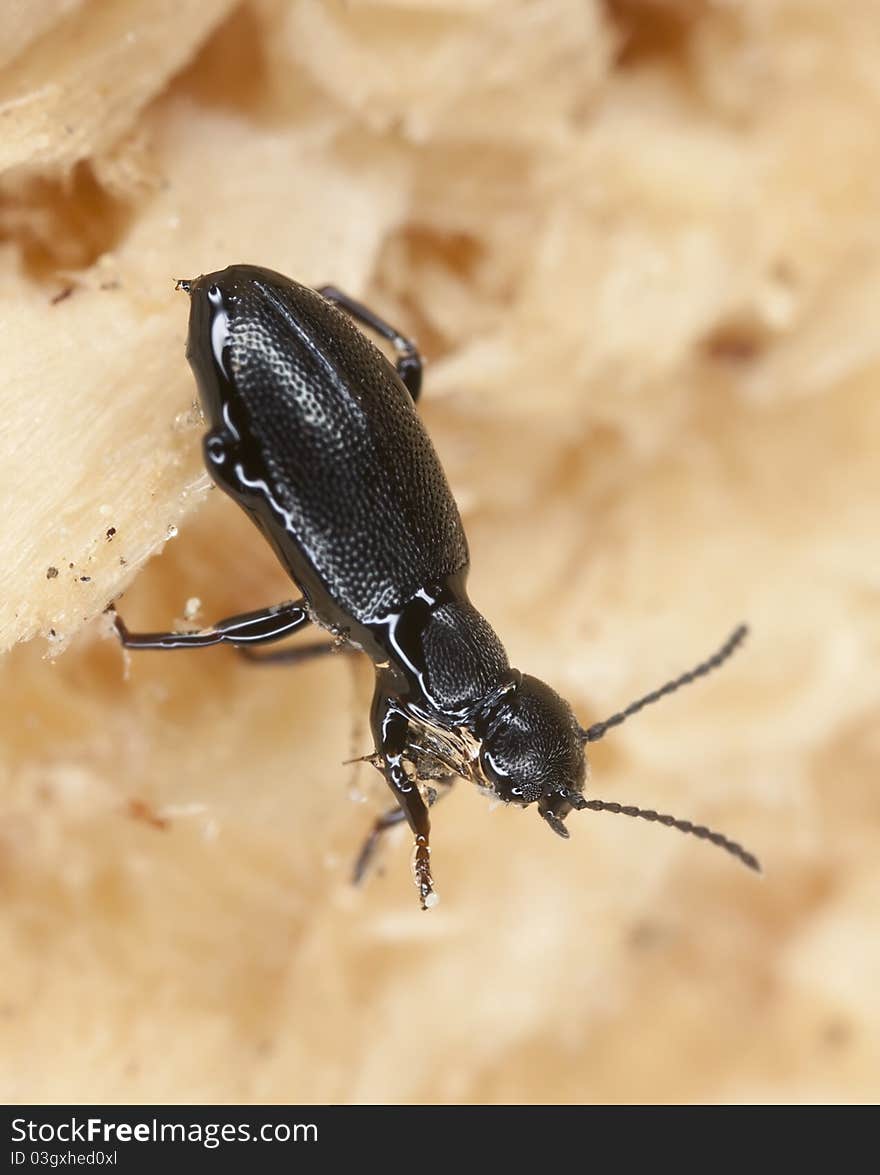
{"type": "Point", "coordinates": [532, 751]}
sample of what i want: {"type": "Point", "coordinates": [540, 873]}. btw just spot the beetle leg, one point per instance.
{"type": "Point", "coordinates": [383, 823]}
{"type": "Point", "coordinates": [409, 361]}
{"type": "Point", "coordinates": [249, 628]}
{"type": "Point", "coordinates": [390, 727]}
{"type": "Point", "coordinates": [389, 819]}
{"type": "Point", "coordinates": [296, 655]}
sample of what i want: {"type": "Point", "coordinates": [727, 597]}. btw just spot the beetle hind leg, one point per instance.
{"type": "Point", "coordinates": [409, 361]}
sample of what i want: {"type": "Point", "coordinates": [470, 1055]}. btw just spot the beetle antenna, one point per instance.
{"type": "Point", "coordinates": [699, 830]}
{"type": "Point", "coordinates": [598, 729]}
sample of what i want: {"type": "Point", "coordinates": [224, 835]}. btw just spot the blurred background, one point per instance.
{"type": "Point", "coordinates": [638, 243]}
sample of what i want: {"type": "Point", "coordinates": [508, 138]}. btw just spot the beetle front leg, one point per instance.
{"type": "Point", "coordinates": [390, 729]}
{"type": "Point", "coordinates": [409, 361]}
{"type": "Point", "coordinates": [384, 823]}
{"type": "Point", "coordinates": [248, 628]}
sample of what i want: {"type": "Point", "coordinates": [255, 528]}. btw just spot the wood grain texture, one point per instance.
{"type": "Point", "coordinates": [638, 243]}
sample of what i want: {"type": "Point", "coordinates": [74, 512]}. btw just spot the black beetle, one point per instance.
{"type": "Point", "coordinates": [315, 435]}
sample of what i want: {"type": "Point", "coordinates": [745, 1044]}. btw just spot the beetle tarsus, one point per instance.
{"type": "Point", "coordinates": [422, 872]}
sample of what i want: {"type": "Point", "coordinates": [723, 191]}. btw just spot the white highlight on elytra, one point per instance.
{"type": "Point", "coordinates": [219, 328]}
{"type": "Point", "coordinates": [262, 488]}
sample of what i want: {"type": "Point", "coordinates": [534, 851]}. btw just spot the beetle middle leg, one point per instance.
{"type": "Point", "coordinates": [409, 361]}
{"type": "Point", "coordinates": [381, 825]}
{"type": "Point", "coordinates": [390, 730]}
{"type": "Point", "coordinates": [248, 628]}
{"type": "Point", "coordinates": [297, 655]}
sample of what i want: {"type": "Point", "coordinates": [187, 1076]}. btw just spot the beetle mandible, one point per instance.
{"type": "Point", "coordinates": [315, 435]}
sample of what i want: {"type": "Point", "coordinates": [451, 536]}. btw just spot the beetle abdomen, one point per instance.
{"type": "Point", "coordinates": [334, 435]}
